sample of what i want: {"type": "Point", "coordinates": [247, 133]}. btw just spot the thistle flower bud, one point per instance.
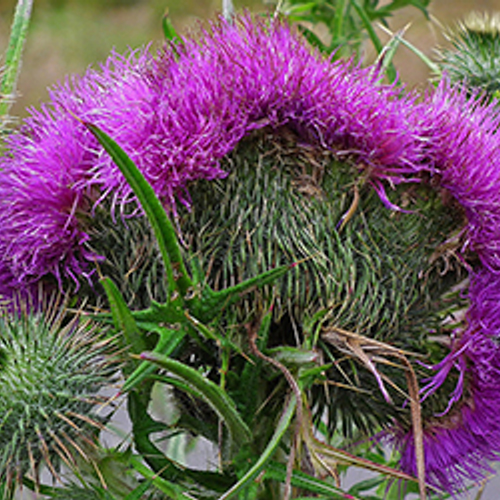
{"type": "Point", "coordinates": [474, 56]}
{"type": "Point", "coordinates": [53, 367]}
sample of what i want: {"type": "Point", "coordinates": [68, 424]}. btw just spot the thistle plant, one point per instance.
{"type": "Point", "coordinates": [274, 237]}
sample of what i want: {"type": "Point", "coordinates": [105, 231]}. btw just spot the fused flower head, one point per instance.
{"type": "Point", "coordinates": [462, 152]}
{"type": "Point", "coordinates": [184, 115]}
{"type": "Point", "coordinates": [177, 115]}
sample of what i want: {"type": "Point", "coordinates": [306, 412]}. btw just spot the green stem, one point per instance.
{"type": "Point", "coordinates": [391, 70]}
{"type": "Point", "coordinates": [338, 22]}
{"type": "Point", "coordinates": [368, 26]}
{"type": "Point", "coordinates": [13, 55]}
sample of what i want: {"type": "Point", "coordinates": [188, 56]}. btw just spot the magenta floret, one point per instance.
{"type": "Point", "coordinates": [461, 142]}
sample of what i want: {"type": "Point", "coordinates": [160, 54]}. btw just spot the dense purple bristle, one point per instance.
{"type": "Point", "coordinates": [177, 116]}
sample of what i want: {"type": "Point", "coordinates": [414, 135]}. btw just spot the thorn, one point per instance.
{"type": "Point", "coordinates": [33, 468]}
{"type": "Point", "coordinates": [99, 473]}
{"type": "Point", "coordinates": [63, 452]}
{"type": "Point", "coordinates": [93, 423]}
{"type": "Point", "coordinates": [46, 454]}
{"type": "Point", "coordinates": [77, 448]}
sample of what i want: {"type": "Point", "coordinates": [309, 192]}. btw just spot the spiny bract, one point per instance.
{"type": "Point", "coordinates": [53, 367]}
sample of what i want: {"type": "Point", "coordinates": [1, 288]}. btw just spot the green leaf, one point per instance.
{"type": "Point", "coordinates": [122, 317]}
{"type": "Point", "coordinates": [161, 224]}
{"type": "Point", "coordinates": [212, 393]}
{"type": "Point", "coordinates": [169, 340]}
{"type": "Point", "coordinates": [304, 481]}
{"type": "Point", "coordinates": [212, 334]}
{"type": "Point", "coordinates": [369, 484]}
{"type": "Point", "coordinates": [281, 428]}
{"type": "Point", "coordinates": [29, 483]}
{"type": "Point", "coordinates": [172, 490]}
{"type": "Point", "coordinates": [138, 493]}
{"type": "Point", "coordinates": [313, 39]}
{"type": "Point", "coordinates": [367, 23]}
{"type": "Point", "coordinates": [294, 357]}
{"type": "Point", "coordinates": [215, 301]}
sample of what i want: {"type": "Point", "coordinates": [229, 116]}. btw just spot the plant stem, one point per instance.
{"type": "Point", "coordinates": [13, 55]}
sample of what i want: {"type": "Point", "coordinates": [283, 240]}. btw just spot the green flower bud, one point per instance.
{"type": "Point", "coordinates": [54, 366]}
{"type": "Point", "coordinates": [474, 58]}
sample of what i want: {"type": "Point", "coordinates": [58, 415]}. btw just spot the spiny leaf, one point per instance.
{"type": "Point", "coordinates": [280, 430]}
{"type": "Point", "coordinates": [164, 231]}
{"type": "Point", "coordinates": [304, 481]}
{"type": "Point", "coordinates": [173, 490]}
{"type": "Point", "coordinates": [169, 339]}
{"type": "Point", "coordinates": [122, 317]}
{"type": "Point", "coordinates": [215, 301]}
{"type": "Point", "coordinates": [212, 393]}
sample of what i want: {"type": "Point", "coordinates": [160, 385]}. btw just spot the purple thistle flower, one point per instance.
{"type": "Point", "coordinates": [46, 185]}
{"type": "Point", "coordinates": [461, 138]}
{"type": "Point", "coordinates": [177, 116]}
{"type": "Point", "coordinates": [462, 149]}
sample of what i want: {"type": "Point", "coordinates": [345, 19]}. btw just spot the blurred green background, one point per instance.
{"type": "Point", "coordinates": [66, 36]}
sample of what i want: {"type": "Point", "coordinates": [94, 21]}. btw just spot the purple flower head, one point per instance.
{"type": "Point", "coordinates": [461, 144]}
{"type": "Point", "coordinates": [461, 147]}
{"type": "Point", "coordinates": [46, 186]}
{"type": "Point", "coordinates": [177, 115]}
